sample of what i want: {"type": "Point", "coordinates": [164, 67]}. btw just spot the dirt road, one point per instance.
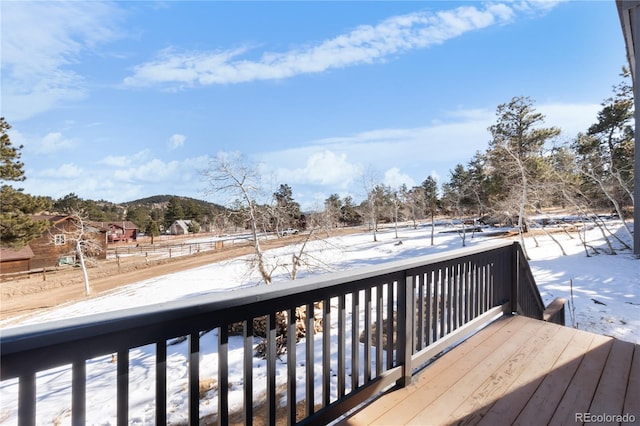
{"type": "Point", "coordinates": [28, 295]}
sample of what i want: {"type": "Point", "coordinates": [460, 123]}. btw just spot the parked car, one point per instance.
{"type": "Point", "coordinates": [289, 231]}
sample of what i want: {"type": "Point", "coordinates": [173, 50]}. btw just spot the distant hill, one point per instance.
{"type": "Point", "coordinates": [161, 201]}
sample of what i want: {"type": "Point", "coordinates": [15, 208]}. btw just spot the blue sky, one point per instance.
{"type": "Point", "coordinates": [123, 100]}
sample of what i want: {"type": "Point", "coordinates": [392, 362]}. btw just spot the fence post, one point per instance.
{"type": "Point", "coordinates": [405, 328]}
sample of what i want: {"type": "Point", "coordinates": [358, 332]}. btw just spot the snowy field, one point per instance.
{"type": "Point", "coordinates": [603, 291]}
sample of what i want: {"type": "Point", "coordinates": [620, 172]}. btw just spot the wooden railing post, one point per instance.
{"type": "Point", "coordinates": [555, 311]}
{"type": "Point", "coordinates": [405, 329]}
{"type": "Point", "coordinates": [27, 400]}
{"type": "Point", "coordinates": [515, 278]}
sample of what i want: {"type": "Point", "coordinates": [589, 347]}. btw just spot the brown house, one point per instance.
{"type": "Point", "coordinates": [53, 248]}
{"type": "Point", "coordinates": [12, 260]}
{"type": "Point", "coordinates": [123, 231]}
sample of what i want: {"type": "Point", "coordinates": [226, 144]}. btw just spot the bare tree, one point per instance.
{"type": "Point", "coordinates": [85, 241]}
{"type": "Point", "coordinates": [413, 203]}
{"type": "Point", "coordinates": [301, 257]}
{"type": "Point", "coordinates": [457, 197]}
{"type": "Point", "coordinates": [232, 174]}
{"type": "Point", "coordinates": [396, 203]}
{"type": "Point", "coordinates": [332, 210]}
{"type": "Point", "coordinates": [596, 165]}
{"type": "Point", "coordinates": [372, 189]}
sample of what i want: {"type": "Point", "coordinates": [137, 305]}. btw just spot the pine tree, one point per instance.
{"type": "Point", "coordinates": [174, 211]}
{"type": "Point", "coordinates": [152, 230]}
{"type": "Point", "coordinates": [515, 156]}
{"type": "Point", "coordinates": [17, 226]}
{"type": "Point", "coordinates": [606, 152]}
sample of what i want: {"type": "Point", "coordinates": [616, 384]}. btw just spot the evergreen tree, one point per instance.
{"type": "Point", "coordinates": [140, 216]}
{"type": "Point", "coordinates": [286, 207]}
{"type": "Point", "coordinates": [414, 203]}
{"type": "Point", "coordinates": [17, 227]}
{"type": "Point", "coordinates": [457, 193]}
{"type": "Point", "coordinates": [152, 229]}
{"type": "Point", "coordinates": [478, 183]}
{"type": "Point", "coordinates": [430, 191]}
{"type": "Point", "coordinates": [332, 206]}
{"type": "Point", "coordinates": [174, 211]}
{"type": "Point", "coordinates": [348, 213]}
{"type": "Point", "coordinates": [606, 152]}
{"type": "Point", "coordinates": [430, 201]}
{"type": "Point", "coordinates": [516, 156]}
{"type": "Point", "coordinates": [69, 203]}
{"type": "Point", "coordinates": [192, 210]}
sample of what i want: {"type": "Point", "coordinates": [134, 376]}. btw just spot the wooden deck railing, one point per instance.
{"type": "Point", "coordinates": [387, 320]}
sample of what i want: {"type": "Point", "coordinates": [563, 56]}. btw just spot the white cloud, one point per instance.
{"type": "Point", "coordinates": [536, 6]}
{"type": "Point", "coordinates": [156, 170]}
{"type": "Point", "coordinates": [125, 160]}
{"type": "Point", "coordinates": [407, 155]}
{"type": "Point", "coordinates": [36, 144]}
{"type": "Point", "coordinates": [53, 142]}
{"type": "Point", "coordinates": [321, 168]}
{"type": "Point", "coordinates": [65, 171]}
{"type": "Point", "coordinates": [150, 171]}
{"type": "Point", "coordinates": [115, 161]}
{"type": "Point", "coordinates": [41, 41]}
{"type": "Point", "coordinates": [395, 178]}
{"type": "Point", "coordinates": [119, 183]}
{"type": "Point", "coordinates": [365, 44]}
{"type": "Point", "coordinates": [176, 141]}
{"type": "Point", "coordinates": [570, 118]}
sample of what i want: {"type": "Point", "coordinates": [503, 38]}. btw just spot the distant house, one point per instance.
{"type": "Point", "coordinates": [123, 231]}
{"type": "Point", "coordinates": [180, 227]}
{"type": "Point", "coordinates": [12, 260]}
{"type": "Point", "coordinates": [53, 248]}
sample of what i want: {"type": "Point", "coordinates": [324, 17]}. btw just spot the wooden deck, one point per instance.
{"type": "Point", "coordinates": [518, 371]}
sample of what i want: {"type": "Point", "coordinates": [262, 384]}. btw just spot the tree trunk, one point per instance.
{"type": "Point", "coordinates": [433, 227]}
{"type": "Point", "coordinates": [613, 201]}
{"type": "Point", "coordinates": [554, 240]}
{"type": "Point", "coordinates": [85, 276]}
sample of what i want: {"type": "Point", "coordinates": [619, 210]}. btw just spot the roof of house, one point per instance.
{"type": "Point", "coordinates": [122, 224]}
{"type": "Point", "coordinates": [7, 254]}
{"type": "Point", "coordinates": [53, 218]}
{"type": "Point", "coordinates": [182, 223]}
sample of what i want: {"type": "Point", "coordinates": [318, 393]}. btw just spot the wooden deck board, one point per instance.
{"type": "Point", "coordinates": [480, 381]}
{"type": "Point", "coordinates": [516, 371]}
{"type": "Point", "coordinates": [609, 397]}
{"type": "Point", "coordinates": [578, 396]}
{"type": "Point", "coordinates": [436, 385]}
{"type": "Point", "coordinates": [498, 383]}
{"type": "Point", "coordinates": [555, 381]}
{"type": "Point", "coordinates": [632, 399]}
{"type": "Point", "coordinates": [443, 365]}
{"type": "Point", "coordinates": [521, 391]}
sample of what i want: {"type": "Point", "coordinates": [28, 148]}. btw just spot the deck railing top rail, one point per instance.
{"type": "Point", "coordinates": [32, 337]}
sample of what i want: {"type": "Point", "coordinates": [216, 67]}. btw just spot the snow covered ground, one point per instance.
{"type": "Point", "coordinates": [603, 291]}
